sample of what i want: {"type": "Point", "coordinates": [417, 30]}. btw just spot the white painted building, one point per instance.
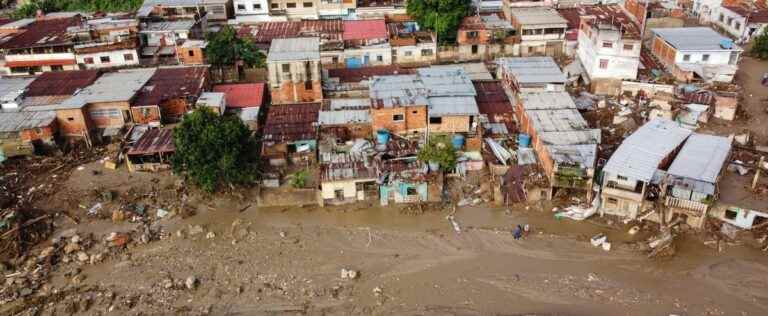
{"type": "Point", "coordinates": [541, 31]}
{"type": "Point", "coordinates": [251, 7]}
{"type": "Point", "coordinates": [706, 10]}
{"type": "Point", "coordinates": [741, 23]}
{"type": "Point", "coordinates": [690, 52]}
{"type": "Point", "coordinates": [609, 51]}
{"type": "Point", "coordinates": [110, 58]}
{"type": "Point", "coordinates": [374, 55]}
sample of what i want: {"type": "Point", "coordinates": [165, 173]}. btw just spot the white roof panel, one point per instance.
{"type": "Point", "coordinates": [701, 158]}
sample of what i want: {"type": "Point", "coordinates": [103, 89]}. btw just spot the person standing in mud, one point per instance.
{"type": "Point", "coordinates": [518, 233]}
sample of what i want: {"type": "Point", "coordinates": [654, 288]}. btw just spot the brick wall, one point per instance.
{"type": "Point", "coordinates": [451, 124]}
{"type": "Point", "coordinates": [415, 119]}
{"type": "Point", "coordinates": [663, 51]}
{"type": "Point", "coordinates": [290, 92]}
{"type": "Point", "coordinates": [116, 118]}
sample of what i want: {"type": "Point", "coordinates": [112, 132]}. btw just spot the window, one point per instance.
{"type": "Point", "coordinates": [286, 67]}
{"type": "Point", "coordinates": [191, 53]}
{"type": "Point", "coordinates": [722, 17]}
{"type": "Point", "coordinates": [398, 117]}
{"type": "Point", "coordinates": [414, 112]}
{"type": "Point", "coordinates": [472, 34]}
{"type": "Point", "coordinates": [275, 6]}
{"type": "Point", "coordinates": [88, 60]}
{"type": "Point", "coordinates": [621, 178]}
{"type": "Point", "coordinates": [411, 191]}
{"type": "Point", "coordinates": [426, 52]}
{"type": "Point", "coordinates": [686, 57]}
{"type": "Point", "coordinates": [729, 214]}
{"type": "Point", "coordinates": [603, 63]}
{"type": "Point", "coordinates": [475, 49]}
{"type": "Point", "coordinates": [730, 20]}
{"type": "Point", "coordinates": [104, 59]}
{"type": "Point", "coordinates": [737, 26]}
{"type": "Point", "coordinates": [607, 44]}
{"type": "Point", "coordinates": [612, 201]}
{"type": "Point", "coordinates": [257, 6]}
{"type": "Point", "coordinates": [70, 119]}
{"type": "Point", "coordinates": [308, 85]}
{"type": "Point", "coordinates": [435, 120]}
{"type": "Point", "coordinates": [307, 4]}
{"type": "Point", "coordinates": [290, 5]}
{"type": "Point", "coordinates": [335, 59]}
{"type": "Point", "coordinates": [105, 113]}
{"type": "Point", "coordinates": [379, 58]}
{"type": "Point", "coordinates": [705, 57]}
{"type": "Point", "coordinates": [128, 57]}
{"type": "Point", "coordinates": [339, 194]}
{"type": "Point", "coordinates": [408, 53]}
{"type": "Point", "coordinates": [240, 7]}
{"type": "Point", "coordinates": [629, 47]}
{"type": "Point", "coordinates": [57, 68]}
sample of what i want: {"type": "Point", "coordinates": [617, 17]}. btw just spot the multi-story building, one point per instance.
{"type": "Point", "coordinates": [509, 6]}
{"type": "Point", "coordinates": [541, 31]}
{"type": "Point", "coordinates": [483, 37]}
{"type": "Point", "coordinates": [696, 52]}
{"type": "Point", "coordinates": [741, 22]}
{"type": "Point", "coordinates": [398, 104]}
{"type": "Point", "coordinates": [631, 172]}
{"type": "Point", "coordinates": [410, 45]}
{"type": "Point", "coordinates": [250, 11]}
{"type": "Point", "coordinates": [530, 74]}
{"type": "Point", "coordinates": [609, 47]}
{"type": "Point", "coordinates": [39, 45]}
{"type": "Point", "coordinates": [294, 70]}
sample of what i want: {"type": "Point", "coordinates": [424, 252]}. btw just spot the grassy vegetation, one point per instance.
{"type": "Point", "coordinates": [30, 8]}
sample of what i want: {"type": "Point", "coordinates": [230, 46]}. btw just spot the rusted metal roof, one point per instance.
{"type": "Point", "coordinates": [291, 122]}
{"type": "Point", "coordinates": [492, 99]}
{"type": "Point", "coordinates": [42, 33]}
{"type": "Point", "coordinates": [61, 82]}
{"type": "Point", "coordinates": [171, 83]}
{"type": "Point", "coordinates": [264, 33]}
{"type": "Point", "coordinates": [365, 73]}
{"type": "Point", "coordinates": [154, 141]}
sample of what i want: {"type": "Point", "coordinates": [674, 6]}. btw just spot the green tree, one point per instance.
{"type": "Point", "coordinates": [213, 150]}
{"type": "Point", "coordinates": [439, 150]}
{"type": "Point", "coordinates": [225, 48]}
{"type": "Point", "coordinates": [441, 16]}
{"type": "Point", "coordinates": [760, 45]}
{"type": "Point", "coordinates": [30, 8]}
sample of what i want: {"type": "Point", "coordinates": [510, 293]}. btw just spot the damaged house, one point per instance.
{"type": "Point", "coordinates": [246, 100]}
{"type": "Point", "coordinates": [696, 53]}
{"type": "Point", "coordinates": [151, 151]}
{"type": "Point", "coordinates": [294, 70]}
{"type": "Point", "coordinates": [484, 37]}
{"type": "Point", "coordinates": [411, 45]}
{"type": "Point", "coordinates": [398, 104]}
{"type": "Point", "coordinates": [169, 94]}
{"type": "Point", "coordinates": [402, 178]}
{"type": "Point", "coordinates": [290, 134]}
{"type": "Point", "coordinates": [692, 179]}
{"type": "Point", "coordinates": [354, 83]}
{"type": "Point", "coordinates": [451, 98]}
{"type": "Point", "coordinates": [26, 133]}
{"type": "Point", "coordinates": [346, 178]}
{"type": "Point", "coordinates": [345, 120]}
{"type": "Point", "coordinates": [632, 175]}
{"type": "Point", "coordinates": [563, 142]}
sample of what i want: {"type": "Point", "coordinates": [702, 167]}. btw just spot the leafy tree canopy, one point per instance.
{"type": "Point", "coordinates": [439, 150]}
{"type": "Point", "coordinates": [760, 45]}
{"type": "Point", "coordinates": [213, 150]}
{"type": "Point", "coordinates": [30, 8]}
{"type": "Point", "coordinates": [441, 16]}
{"type": "Point", "coordinates": [226, 48]}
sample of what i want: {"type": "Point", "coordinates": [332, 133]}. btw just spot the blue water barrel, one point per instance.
{"type": "Point", "coordinates": [523, 140]}
{"type": "Point", "coordinates": [457, 141]}
{"type": "Point", "coordinates": [382, 136]}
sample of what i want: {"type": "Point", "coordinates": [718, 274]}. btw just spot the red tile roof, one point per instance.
{"type": "Point", "coordinates": [364, 29]}
{"type": "Point", "coordinates": [242, 95]}
{"type": "Point", "coordinates": [61, 82]}
{"type": "Point", "coordinates": [154, 141]}
{"type": "Point", "coordinates": [43, 33]}
{"type": "Point", "coordinates": [170, 83]}
{"type": "Point", "coordinates": [360, 74]}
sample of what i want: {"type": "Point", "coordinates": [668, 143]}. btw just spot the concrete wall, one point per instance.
{"type": "Point", "coordinates": [744, 218]}
{"type": "Point", "coordinates": [117, 58]}
{"type": "Point", "coordinates": [248, 7]}
{"type": "Point", "coordinates": [619, 61]}
{"type": "Point", "coordinates": [109, 114]}
{"type": "Point", "coordinates": [424, 53]}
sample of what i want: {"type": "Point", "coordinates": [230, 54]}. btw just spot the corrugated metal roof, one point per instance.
{"type": "Point", "coordinates": [211, 99]}
{"type": "Point", "coordinates": [574, 154]}
{"type": "Point", "coordinates": [447, 81]}
{"type": "Point", "coordinates": [154, 141]}
{"type": "Point", "coordinates": [640, 154]}
{"type": "Point", "coordinates": [533, 69]}
{"type": "Point", "coordinates": [18, 121]}
{"type": "Point", "coordinates": [111, 87]}
{"type": "Point", "coordinates": [547, 101]}
{"type": "Point", "coordinates": [165, 26]}
{"type": "Point", "coordinates": [701, 158]}
{"type": "Point", "coordinates": [452, 105]}
{"type": "Point", "coordinates": [172, 82]}
{"type": "Point", "coordinates": [475, 71]}
{"type": "Point", "coordinates": [291, 49]}
{"type": "Point", "coordinates": [588, 136]}
{"type": "Point", "coordinates": [398, 90]}
{"type": "Point", "coordinates": [538, 16]}
{"type": "Point", "coordinates": [11, 88]}
{"type": "Point", "coordinates": [42, 33]}
{"type": "Point", "coordinates": [348, 104]}
{"type": "Point", "coordinates": [693, 38]}
{"type": "Point", "coordinates": [557, 120]}
{"type": "Point", "coordinates": [61, 82]}
{"type": "Point", "coordinates": [344, 117]}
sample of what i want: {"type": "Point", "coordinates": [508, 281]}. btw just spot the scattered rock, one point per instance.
{"type": "Point", "coordinates": [75, 239]}
{"type": "Point", "coordinates": [283, 234]}
{"type": "Point", "coordinates": [210, 235]}
{"type": "Point", "coordinates": [349, 274]}
{"type": "Point", "coordinates": [196, 230]}
{"type": "Point", "coordinates": [377, 291]}
{"type": "Point", "coordinates": [71, 248]}
{"type": "Point", "coordinates": [83, 257]}
{"type": "Point", "coordinates": [191, 282]}
{"type": "Point", "coordinates": [47, 252]}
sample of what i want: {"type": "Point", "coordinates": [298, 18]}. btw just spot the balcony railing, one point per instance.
{"type": "Point", "coordinates": [686, 204]}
